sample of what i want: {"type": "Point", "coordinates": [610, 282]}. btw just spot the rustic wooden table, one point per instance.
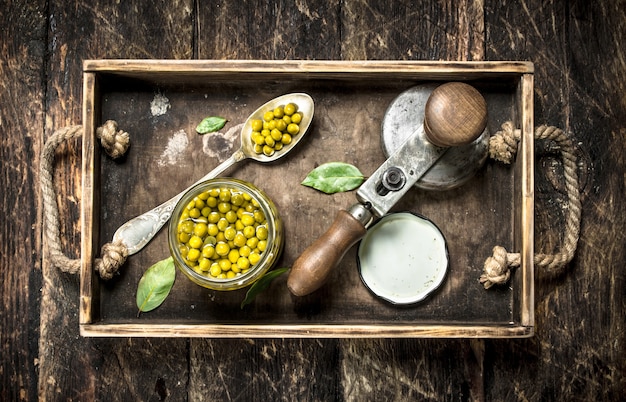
{"type": "Point", "coordinates": [577, 352]}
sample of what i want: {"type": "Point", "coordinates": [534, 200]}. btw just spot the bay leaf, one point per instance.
{"type": "Point", "coordinates": [211, 124]}
{"type": "Point", "coordinates": [155, 285]}
{"type": "Point", "coordinates": [334, 177]}
{"type": "Point", "coordinates": [262, 284]}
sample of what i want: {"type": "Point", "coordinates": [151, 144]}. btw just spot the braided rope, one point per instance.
{"type": "Point", "coordinates": [115, 142]}
{"type": "Point", "coordinates": [502, 147]}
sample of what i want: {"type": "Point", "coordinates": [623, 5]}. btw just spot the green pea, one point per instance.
{"type": "Point", "coordinates": [204, 264]}
{"type": "Point", "coordinates": [257, 124]}
{"type": "Point", "coordinates": [225, 264]}
{"type": "Point", "coordinates": [215, 270]}
{"type": "Point", "coordinates": [224, 207]}
{"type": "Point", "coordinates": [231, 216]}
{"type": "Point", "coordinates": [279, 112]}
{"type": "Point", "coordinates": [225, 195]}
{"type": "Point", "coordinates": [267, 150]}
{"type": "Point", "coordinates": [233, 256]}
{"type": "Point", "coordinates": [183, 237]}
{"type": "Point", "coordinates": [199, 203]}
{"type": "Point", "coordinates": [254, 258]}
{"type": "Point", "coordinates": [212, 229]}
{"type": "Point", "coordinates": [237, 199]}
{"type": "Point", "coordinates": [186, 226]}
{"type": "Point", "coordinates": [293, 129]}
{"type": "Point", "coordinates": [230, 233]}
{"type": "Point", "coordinates": [259, 216]}
{"type": "Point", "coordinates": [261, 232]}
{"type": "Point", "coordinates": [222, 249]}
{"type": "Point", "coordinates": [222, 224]}
{"type": "Point", "coordinates": [208, 251]}
{"type": "Point", "coordinates": [290, 109]}
{"type": "Point", "coordinates": [276, 135]}
{"type": "Point", "coordinates": [193, 254]}
{"type": "Point", "coordinates": [240, 240]}
{"type": "Point", "coordinates": [195, 242]}
{"type": "Point", "coordinates": [249, 232]}
{"type": "Point", "coordinates": [200, 229]}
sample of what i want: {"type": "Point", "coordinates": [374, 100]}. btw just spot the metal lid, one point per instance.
{"type": "Point", "coordinates": [403, 258]}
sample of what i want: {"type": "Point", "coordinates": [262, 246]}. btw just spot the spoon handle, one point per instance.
{"type": "Point", "coordinates": [138, 232]}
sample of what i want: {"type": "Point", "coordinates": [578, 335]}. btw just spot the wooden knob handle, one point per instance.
{"type": "Point", "coordinates": [311, 269]}
{"type": "Point", "coordinates": [455, 114]}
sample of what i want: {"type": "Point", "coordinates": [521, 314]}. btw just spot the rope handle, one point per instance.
{"type": "Point", "coordinates": [503, 147]}
{"type": "Point", "coordinates": [497, 268]}
{"type": "Point", "coordinates": [115, 143]}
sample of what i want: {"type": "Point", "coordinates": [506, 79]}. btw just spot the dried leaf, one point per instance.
{"type": "Point", "coordinates": [262, 284]}
{"type": "Point", "coordinates": [334, 177]}
{"type": "Point", "coordinates": [211, 124]}
{"type": "Point", "coordinates": [155, 285]}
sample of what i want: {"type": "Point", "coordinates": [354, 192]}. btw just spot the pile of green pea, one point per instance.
{"type": "Point", "coordinates": [222, 233]}
{"type": "Point", "coordinates": [276, 129]}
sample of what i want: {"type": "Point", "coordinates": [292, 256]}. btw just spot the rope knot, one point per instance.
{"type": "Point", "coordinates": [496, 268]}
{"type": "Point", "coordinates": [114, 141]}
{"type": "Point", "coordinates": [113, 257]}
{"type": "Point", "coordinates": [503, 144]}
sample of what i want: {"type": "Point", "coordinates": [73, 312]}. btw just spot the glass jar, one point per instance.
{"type": "Point", "coordinates": [224, 234]}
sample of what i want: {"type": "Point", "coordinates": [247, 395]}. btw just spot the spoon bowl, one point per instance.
{"type": "Point", "coordinates": [138, 232]}
{"type": "Point", "coordinates": [305, 106]}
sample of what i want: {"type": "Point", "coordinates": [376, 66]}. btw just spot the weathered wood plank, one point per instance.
{"type": "Point", "coordinates": [281, 30]}
{"type": "Point", "coordinates": [22, 50]}
{"type": "Point", "coordinates": [87, 31]}
{"type": "Point", "coordinates": [579, 58]}
{"type": "Point", "coordinates": [578, 351]}
{"type": "Point", "coordinates": [401, 30]}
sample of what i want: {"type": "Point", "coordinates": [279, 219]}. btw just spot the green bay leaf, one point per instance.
{"type": "Point", "coordinates": [334, 177]}
{"type": "Point", "coordinates": [155, 285]}
{"type": "Point", "coordinates": [262, 284]}
{"type": "Point", "coordinates": [211, 124]}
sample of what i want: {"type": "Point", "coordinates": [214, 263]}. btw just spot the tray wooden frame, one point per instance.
{"type": "Point", "coordinates": [522, 72]}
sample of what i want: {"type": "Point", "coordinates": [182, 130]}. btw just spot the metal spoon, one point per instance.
{"type": "Point", "coordinates": [138, 232]}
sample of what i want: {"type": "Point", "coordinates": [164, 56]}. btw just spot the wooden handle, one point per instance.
{"type": "Point", "coordinates": [455, 114]}
{"type": "Point", "coordinates": [311, 269]}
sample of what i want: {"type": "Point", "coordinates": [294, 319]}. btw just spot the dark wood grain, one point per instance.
{"type": "Point", "coordinates": [22, 115]}
{"type": "Point", "coordinates": [579, 80]}
{"type": "Point", "coordinates": [104, 31]}
{"type": "Point", "coordinates": [579, 347]}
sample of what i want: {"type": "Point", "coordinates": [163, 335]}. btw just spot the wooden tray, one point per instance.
{"type": "Point", "coordinates": [160, 102]}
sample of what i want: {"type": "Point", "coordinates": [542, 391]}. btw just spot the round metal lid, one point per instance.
{"type": "Point", "coordinates": [403, 258]}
